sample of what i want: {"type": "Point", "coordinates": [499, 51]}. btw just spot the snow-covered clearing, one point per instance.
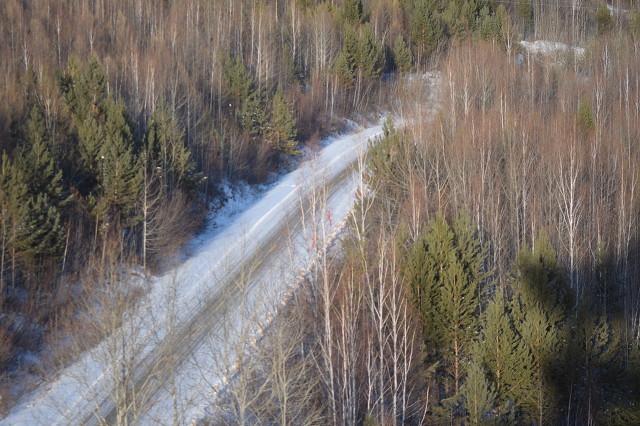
{"type": "Point", "coordinates": [201, 294]}
{"type": "Point", "coordinates": [615, 10]}
{"type": "Point", "coordinates": [546, 47]}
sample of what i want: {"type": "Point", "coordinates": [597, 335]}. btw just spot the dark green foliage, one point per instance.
{"type": "Point", "coordinates": [39, 167]}
{"type": "Point", "coordinates": [490, 25]}
{"type": "Point", "coordinates": [253, 115]}
{"type": "Point", "coordinates": [166, 150]}
{"type": "Point", "coordinates": [41, 232]}
{"type": "Point", "coordinates": [385, 156]}
{"type": "Point", "coordinates": [478, 394]}
{"type": "Point", "coordinates": [402, 55]}
{"type": "Point", "coordinates": [538, 311]}
{"type": "Point", "coordinates": [14, 195]}
{"type": "Point", "coordinates": [604, 20]}
{"type": "Point", "coordinates": [282, 126]}
{"type": "Point", "coordinates": [347, 60]}
{"type": "Point", "coordinates": [84, 91]}
{"type": "Point", "coordinates": [246, 101]}
{"type": "Point", "coordinates": [352, 12]}
{"type": "Point", "coordinates": [361, 57]}
{"type": "Point", "coordinates": [444, 270]}
{"type": "Point", "coordinates": [540, 281]}
{"type": "Point", "coordinates": [370, 55]}
{"type": "Point", "coordinates": [426, 27]}
{"type": "Point", "coordinates": [604, 369]}
{"type": "Point", "coordinates": [120, 175]}
{"type": "Point", "coordinates": [238, 81]}
{"type": "Point", "coordinates": [586, 122]}
{"type": "Point", "coordinates": [467, 17]}
{"type": "Point", "coordinates": [506, 357]}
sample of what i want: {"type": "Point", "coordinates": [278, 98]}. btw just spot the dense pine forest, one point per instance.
{"type": "Point", "coordinates": [489, 271]}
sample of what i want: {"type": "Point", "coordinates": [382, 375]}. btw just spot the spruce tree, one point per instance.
{"type": "Point", "coordinates": [539, 308]}
{"type": "Point", "coordinates": [402, 55]}
{"type": "Point", "coordinates": [41, 232]}
{"type": "Point", "coordinates": [506, 357]}
{"type": "Point", "coordinates": [14, 195]}
{"type": "Point", "coordinates": [346, 64]}
{"type": "Point", "coordinates": [282, 127]}
{"type": "Point", "coordinates": [478, 393]}
{"type": "Point", "coordinates": [370, 55]}
{"type": "Point", "coordinates": [427, 29]}
{"type": "Point", "coordinates": [84, 91]}
{"type": "Point", "coordinates": [238, 82]}
{"type": "Point", "coordinates": [471, 253]}
{"type": "Point", "coordinates": [39, 167]}
{"type": "Point", "coordinates": [165, 149]}
{"type": "Point", "coordinates": [540, 281]}
{"type": "Point", "coordinates": [253, 116]}
{"type": "Point", "coordinates": [439, 254]}
{"type": "Point", "coordinates": [120, 175]}
{"type": "Point", "coordinates": [444, 271]}
{"type": "Point", "coordinates": [352, 12]}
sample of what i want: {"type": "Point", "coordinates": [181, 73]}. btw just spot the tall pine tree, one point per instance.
{"type": "Point", "coordinates": [120, 174]}
{"type": "Point", "coordinates": [478, 393]}
{"type": "Point", "coordinates": [166, 151]}
{"type": "Point", "coordinates": [282, 127]}
{"type": "Point", "coordinates": [506, 357]}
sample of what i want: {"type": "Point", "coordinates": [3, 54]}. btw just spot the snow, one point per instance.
{"type": "Point", "coordinates": [616, 10]}
{"type": "Point", "coordinates": [546, 47]}
{"type": "Point", "coordinates": [240, 232]}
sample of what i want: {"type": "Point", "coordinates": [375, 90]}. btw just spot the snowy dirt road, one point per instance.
{"type": "Point", "coordinates": [180, 345]}
{"type": "Point", "coordinates": [243, 272]}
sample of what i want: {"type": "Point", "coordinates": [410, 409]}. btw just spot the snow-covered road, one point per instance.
{"type": "Point", "coordinates": [181, 343]}
{"type": "Point", "coordinates": [246, 269]}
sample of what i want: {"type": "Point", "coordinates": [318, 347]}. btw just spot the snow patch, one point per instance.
{"type": "Point", "coordinates": [546, 48]}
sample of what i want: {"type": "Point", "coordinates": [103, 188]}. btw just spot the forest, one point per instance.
{"type": "Point", "coordinates": [488, 273]}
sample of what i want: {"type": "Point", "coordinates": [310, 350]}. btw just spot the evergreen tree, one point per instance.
{"type": "Point", "coordinates": [471, 253]}
{"type": "Point", "coordinates": [238, 81]}
{"type": "Point", "coordinates": [478, 393]}
{"type": "Point", "coordinates": [13, 199]}
{"type": "Point", "coordinates": [120, 174]}
{"type": "Point", "coordinates": [165, 149]}
{"type": "Point", "coordinates": [39, 167]}
{"type": "Point", "coordinates": [346, 64]}
{"type": "Point", "coordinates": [370, 55]}
{"type": "Point", "coordinates": [41, 232]}
{"type": "Point", "coordinates": [490, 23]}
{"type": "Point", "coordinates": [506, 357]}
{"type": "Point", "coordinates": [456, 316]}
{"type": "Point", "coordinates": [84, 91]}
{"type": "Point", "coordinates": [539, 308]}
{"type": "Point", "coordinates": [352, 12]}
{"type": "Point", "coordinates": [437, 254]}
{"type": "Point", "coordinates": [282, 127]}
{"type": "Point", "coordinates": [444, 270]}
{"type": "Point", "coordinates": [14, 195]}
{"type": "Point", "coordinates": [540, 281]}
{"type": "Point", "coordinates": [253, 116]}
{"type": "Point", "coordinates": [402, 55]}
{"type": "Point", "coordinates": [426, 26]}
